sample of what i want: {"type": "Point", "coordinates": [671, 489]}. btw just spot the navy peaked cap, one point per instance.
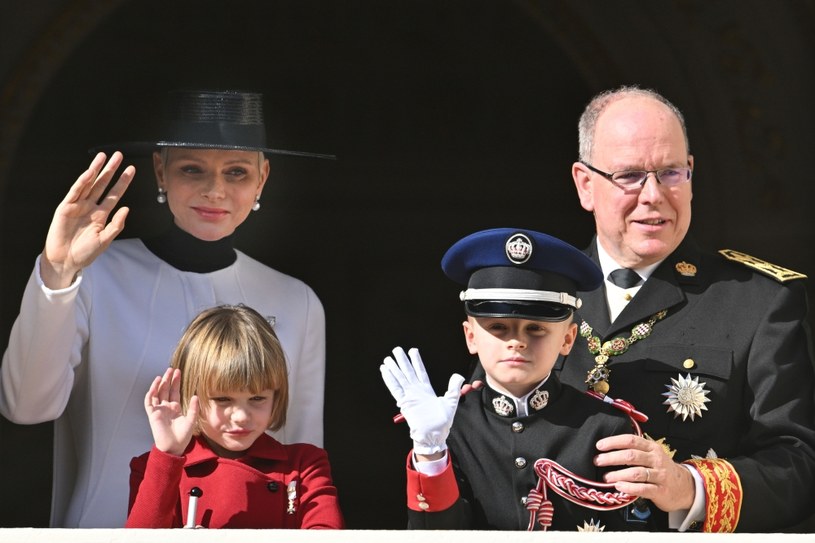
{"type": "Point", "coordinates": [517, 273]}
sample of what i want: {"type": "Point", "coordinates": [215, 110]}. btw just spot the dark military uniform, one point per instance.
{"type": "Point", "coordinates": [493, 458]}
{"type": "Point", "coordinates": [741, 335]}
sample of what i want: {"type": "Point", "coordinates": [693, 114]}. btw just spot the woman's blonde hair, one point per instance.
{"type": "Point", "coordinates": [232, 347]}
{"type": "Point", "coordinates": [164, 153]}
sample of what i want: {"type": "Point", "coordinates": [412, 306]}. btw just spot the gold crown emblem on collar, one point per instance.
{"type": "Point", "coordinates": [539, 399]}
{"type": "Point", "coordinates": [503, 406]}
{"type": "Point", "coordinates": [686, 269]}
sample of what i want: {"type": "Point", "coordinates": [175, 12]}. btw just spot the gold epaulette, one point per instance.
{"type": "Point", "coordinates": [782, 275]}
{"type": "Point", "coordinates": [723, 493]}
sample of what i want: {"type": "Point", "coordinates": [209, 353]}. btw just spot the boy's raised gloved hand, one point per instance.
{"type": "Point", "coordinates": [429, 417]}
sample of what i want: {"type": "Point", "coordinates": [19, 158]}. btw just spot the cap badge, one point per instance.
{"type": "Point", "coordinates": [539, 399]}
{"type": "Point", "coordinates": [503, 406]}
{"type": "Point", "coordinates": [686, 397]}
{"type": "Point", "coordinates": [518, 248]}
{"type": "Point", "coordinates": [686, 269]}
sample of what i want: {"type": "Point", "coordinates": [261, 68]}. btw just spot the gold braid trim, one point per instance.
{"type": "Point", "coordinates": [779, 273]}
{"type": "Point", "coordinates": [723, 492]}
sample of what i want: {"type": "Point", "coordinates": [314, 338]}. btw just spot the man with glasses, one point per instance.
{"type": "Point", "coordinates": [713, 347]}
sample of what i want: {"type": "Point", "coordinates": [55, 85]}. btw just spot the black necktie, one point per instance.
{"type": "Point", "coordinates": [625, 278]}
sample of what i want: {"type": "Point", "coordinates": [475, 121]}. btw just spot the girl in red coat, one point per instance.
{"type": "Point", "coordinates": [213, 465]}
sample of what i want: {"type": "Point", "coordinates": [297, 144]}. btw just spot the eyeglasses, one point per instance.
{"type": "Point", "coordinates": [633, 179]}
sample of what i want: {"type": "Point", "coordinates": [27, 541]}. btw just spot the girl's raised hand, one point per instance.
{"type": "Point", "coordinates": [172, 429]}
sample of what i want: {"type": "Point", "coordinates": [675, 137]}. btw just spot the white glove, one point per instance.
{"type": "Point", "coordinates": [428, 416]}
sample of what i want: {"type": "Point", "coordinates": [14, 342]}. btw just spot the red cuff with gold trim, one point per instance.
{"type": "Point", "coordinates": [723, 494]}
{"type": "Point", "coordinates": [431, 493]}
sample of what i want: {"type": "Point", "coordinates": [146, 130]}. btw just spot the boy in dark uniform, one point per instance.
{"type": "Point", "coordinates": [473, 463]}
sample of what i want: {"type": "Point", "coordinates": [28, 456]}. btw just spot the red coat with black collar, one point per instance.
{"type": "Point", "coordinates": [250, 492]}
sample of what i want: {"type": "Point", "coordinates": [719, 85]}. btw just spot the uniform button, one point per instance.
{"type": "Point", "coordinates": [523, 500]}
{"type": "Point", "coordinates": [424, 506]}
{"type": "Point", "coordinates": [273, 486]}
{"type": "Point", "coordinates": [517, 427]}
{"type": "Point", "coordinates": [520, 462]}
{"type": "Point", "coordinates": [688, 363]}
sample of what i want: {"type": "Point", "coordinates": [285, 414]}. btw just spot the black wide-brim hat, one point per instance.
{"type": "Point", "coordinates": [209, 119]}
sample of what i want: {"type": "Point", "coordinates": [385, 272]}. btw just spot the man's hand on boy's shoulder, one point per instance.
{"type": "Point", "coordinates": [649, 472]}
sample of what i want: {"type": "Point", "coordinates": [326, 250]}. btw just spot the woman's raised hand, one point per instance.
{"type": "Point", "coordinates": [80, 230]}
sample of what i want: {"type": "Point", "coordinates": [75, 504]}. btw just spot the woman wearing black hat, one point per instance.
{"type": "Point", "coordinates": [99, 318]}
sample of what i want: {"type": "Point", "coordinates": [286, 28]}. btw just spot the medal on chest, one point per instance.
{"type": "Point", "coordinates": [597, 378]}
{"type": "Point", "coordinates": [686, 397]}
{"type": "Point", "coordinates": [291, 496]}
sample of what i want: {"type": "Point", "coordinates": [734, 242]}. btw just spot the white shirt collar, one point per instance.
{"type": "Point", "coordinates": [608, 265]}
{"type": "Point", "coordinates": [618, 297]}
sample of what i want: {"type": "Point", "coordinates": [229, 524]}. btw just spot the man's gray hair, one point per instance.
{"type": "Point", "coordinates": [588, 120]}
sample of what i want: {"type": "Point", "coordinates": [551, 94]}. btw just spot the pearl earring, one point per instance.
{"type": "Point", "coordinates": [256, 205]}
{"type": "Point", "coordinates": [161, 197]}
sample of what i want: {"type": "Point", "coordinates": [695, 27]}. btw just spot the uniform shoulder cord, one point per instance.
{"type": "Point", "coordinates": [572, 487]}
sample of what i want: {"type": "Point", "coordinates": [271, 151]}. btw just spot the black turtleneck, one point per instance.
{"type": "Point", "coordinates": [188, 253]}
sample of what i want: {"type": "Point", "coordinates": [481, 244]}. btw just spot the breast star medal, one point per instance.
{"type": "Point", "coordinates": [686, 397]}
{"type": "Point", "coordinates": [591, 526]}
{"type": "Point", "coordinates": [711, 455]}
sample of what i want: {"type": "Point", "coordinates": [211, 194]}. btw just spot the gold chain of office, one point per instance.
{"type": "Point", "coordinates": [597, 377]}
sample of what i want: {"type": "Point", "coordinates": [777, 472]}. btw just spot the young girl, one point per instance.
{"type": "Point", "coordinates": [213, 465]}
